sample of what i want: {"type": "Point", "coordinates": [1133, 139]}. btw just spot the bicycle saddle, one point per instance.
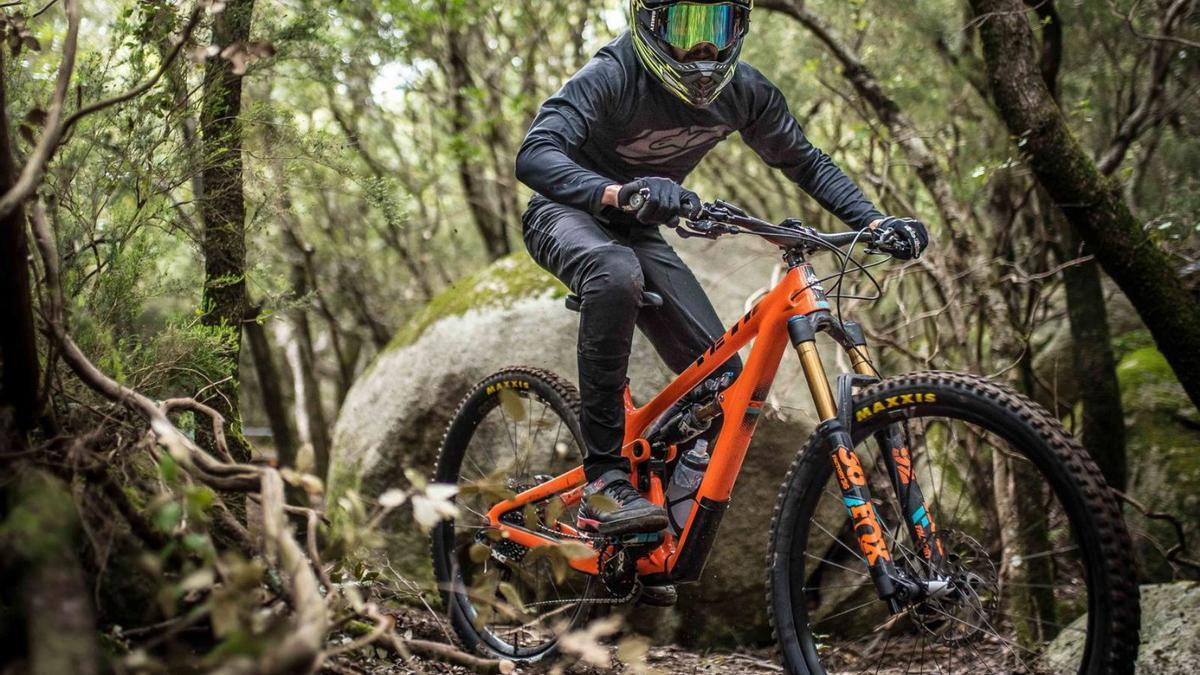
{"type": "Point", "coordinates": [649, 299]}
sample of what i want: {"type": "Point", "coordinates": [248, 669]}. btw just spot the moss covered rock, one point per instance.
{"type": "Point", "coordinates": [1170, 635]}
{"type": "Point", "coordinates": [1163, 450]}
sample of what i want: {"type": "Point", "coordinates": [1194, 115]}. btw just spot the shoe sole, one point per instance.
{"type": "Point", "coordinates": [636, 524]}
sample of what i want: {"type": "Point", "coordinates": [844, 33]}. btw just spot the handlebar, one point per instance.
{"type": "Point", "coordinates": [720, 218]}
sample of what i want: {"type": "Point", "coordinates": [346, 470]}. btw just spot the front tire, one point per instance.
{"type": "Point", "coordinates": [964, 426]}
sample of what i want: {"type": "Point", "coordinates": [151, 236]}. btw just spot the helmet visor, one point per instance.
{"type": "Point", "coordinates": [685, 25]}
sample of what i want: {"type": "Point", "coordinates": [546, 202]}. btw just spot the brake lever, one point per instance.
{"type": "Point", "coordinates": [731, 208]}
{"type": "Point", "coordinates": [705, 229]}
{"type": "Point", "coordinates": [886, 245]}
{"type": "Point", "coordinates": [696, 229]}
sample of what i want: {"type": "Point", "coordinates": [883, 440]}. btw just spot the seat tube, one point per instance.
{"type": "Point", "coordinates": [850, 475]}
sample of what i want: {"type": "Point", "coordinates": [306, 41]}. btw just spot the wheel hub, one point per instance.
{"type": "Point", "coordinates": [961, 603]}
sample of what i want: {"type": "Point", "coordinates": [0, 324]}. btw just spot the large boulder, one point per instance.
{"type": "Point", "coordinates": [512, 313]}
{"type": "Point", "coordinates": [1170, 637]}
{"type": "Point", "coordinates": [1163, 451]}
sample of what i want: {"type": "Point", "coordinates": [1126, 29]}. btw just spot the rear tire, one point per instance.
{"type": "Point", "coordinates": [1087, 508]}
{"type": "Point", "coordinates": [468, 453]}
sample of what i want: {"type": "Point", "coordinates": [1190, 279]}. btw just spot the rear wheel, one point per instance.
{"type": "Point", "coordinates": [514, 430]}
{"type": "Point", "coordinates": [1034, 542]}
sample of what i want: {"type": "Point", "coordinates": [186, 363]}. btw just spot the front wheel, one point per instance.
{"type": "Point", "coordinates": [1033, 540]}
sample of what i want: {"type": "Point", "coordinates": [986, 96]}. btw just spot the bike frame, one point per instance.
{"type": "Point", "coordinates": [793, 311]}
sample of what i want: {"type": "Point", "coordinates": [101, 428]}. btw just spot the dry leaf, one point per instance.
{"type": "Point", "coordinates": [513, 404]}
{"type": "Point", "coordinates": [392, 498]}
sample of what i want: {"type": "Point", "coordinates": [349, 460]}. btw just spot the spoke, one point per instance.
{"type": "Point", "coordinates": [830, 562]}
{"type": "Point", "coordinates": [478, 471]}
{"type": "Point", "coordinates": [847, 611]}
{"type": "Point", "coordinates": [1053, 551]}
{"type": "Point", "coordinates": [841, 543]}
{"type": "Point", "coordinates": [507, 432]}
{"type": "Point", "coordinates": [989, 629]}
{"type": "Point", "coordinates": [908, 665]}
{"type": "Point", "coordinates": [1039, 620]}
{"type": "Point", "coordinates": [821, 588]}
{"type": "Point", "coordinates": [538, 428]}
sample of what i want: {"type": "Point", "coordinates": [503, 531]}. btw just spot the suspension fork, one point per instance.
{"type": "Point", "coordinates": [897, 460]}
{"type": "Point", "coordinates": [889, 584]}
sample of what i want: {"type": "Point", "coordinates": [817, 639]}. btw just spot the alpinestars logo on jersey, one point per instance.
{"type": "Point", "coordinates": [659, 146]}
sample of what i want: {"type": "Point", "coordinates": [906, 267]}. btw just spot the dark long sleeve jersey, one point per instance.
{"type": "Point", "coordinates": [613, 123]}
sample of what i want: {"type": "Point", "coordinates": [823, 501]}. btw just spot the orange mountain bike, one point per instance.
{"type": "Point", "coordinates": [933, 522]}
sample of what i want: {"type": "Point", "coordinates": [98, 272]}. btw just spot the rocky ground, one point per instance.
{"type": "Point", "coordinates": [1170, 645]}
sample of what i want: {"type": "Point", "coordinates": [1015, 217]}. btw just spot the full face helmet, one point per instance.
{"type": "Point", "coordinates": [663, 29]}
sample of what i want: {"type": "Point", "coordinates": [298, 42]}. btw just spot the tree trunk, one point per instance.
{"type": "Point", "coordinates": [1027, 579]}
{"type": "Point", "coordinates": [1103, 422]}
{"type": "Point", "coordinates": [272, 393]}
{"type": "Point", "coordinates": [492, 228]}
{"type": "Point", "coordinates": [18, 349]}
{"type": "Point", "coordinates": [1090, 201]}
{"type": "Point", "coordinates": [310, 414]}
{"type": "Point", "coordinates": [41, 534]}
{"type": "Point", "coordinates": [1095, 365]}
{"type": "Point", "coordinates": [222, 206]}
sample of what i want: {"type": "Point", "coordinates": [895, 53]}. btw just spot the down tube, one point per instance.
{"type": "Point", "coordinates": [742, 407]}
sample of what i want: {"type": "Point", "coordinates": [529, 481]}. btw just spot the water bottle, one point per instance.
{"type": "Point", "coordinates": [681, 493]}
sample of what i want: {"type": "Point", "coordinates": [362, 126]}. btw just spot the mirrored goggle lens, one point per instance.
{"type": "Point", "coordinates": [687, 25]}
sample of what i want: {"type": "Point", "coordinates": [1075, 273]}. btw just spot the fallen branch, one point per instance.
{"type": "Point", "coordinates": [1175, 553]}
{"type": "Point", "coordinates": [304, 642]}
{"type": "Point", "coordinates": [302, 646]}
{"type": "Point", "coordinates": [406, 648]}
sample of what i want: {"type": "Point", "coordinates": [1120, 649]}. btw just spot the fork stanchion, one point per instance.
{"type": "Point", "coordinates": [804, 339]}
{"type": "Point", "coordinates": [860, 357]}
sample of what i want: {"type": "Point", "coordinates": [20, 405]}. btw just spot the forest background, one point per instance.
{"type": "Point", "coordinates": [224, 210]}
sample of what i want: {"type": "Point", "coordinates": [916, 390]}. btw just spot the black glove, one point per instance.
{"type": "Point", "coordinates": [659, 201]}
{"type": "Point", "coordinates": [904, 238]}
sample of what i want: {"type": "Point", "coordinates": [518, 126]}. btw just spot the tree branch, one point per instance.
{"type": "Point", "coordinates": [31, 173]}
{"type": "Point", "coordinates": [1141, 117]}
{"type": "Point", "coordinates": [35, 167]}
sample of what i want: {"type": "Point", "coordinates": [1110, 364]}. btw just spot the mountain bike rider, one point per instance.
{"type": "Point", "coordinates": [638, 118]}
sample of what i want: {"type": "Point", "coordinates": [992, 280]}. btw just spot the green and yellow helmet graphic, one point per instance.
{"type": "Point", "coordinates": [662, 28]}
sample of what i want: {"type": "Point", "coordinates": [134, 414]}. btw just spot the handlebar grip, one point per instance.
{"type": "Point", "coordinates": [636, 200]}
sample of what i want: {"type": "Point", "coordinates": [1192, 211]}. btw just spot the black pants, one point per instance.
{"type": "Point", "coordinates": [608, 265]}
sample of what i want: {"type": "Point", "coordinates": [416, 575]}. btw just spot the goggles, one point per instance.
{"type": "Point", "coordinates": [685, 25]}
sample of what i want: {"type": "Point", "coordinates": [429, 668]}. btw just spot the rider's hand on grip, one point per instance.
{"type": "Point", "coordinates": [658, 201]}
{"type": "Point", "coordinates": [904, 238]}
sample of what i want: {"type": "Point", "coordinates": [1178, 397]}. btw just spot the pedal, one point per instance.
{"type": "Point", "coordinates": [659, 596]}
